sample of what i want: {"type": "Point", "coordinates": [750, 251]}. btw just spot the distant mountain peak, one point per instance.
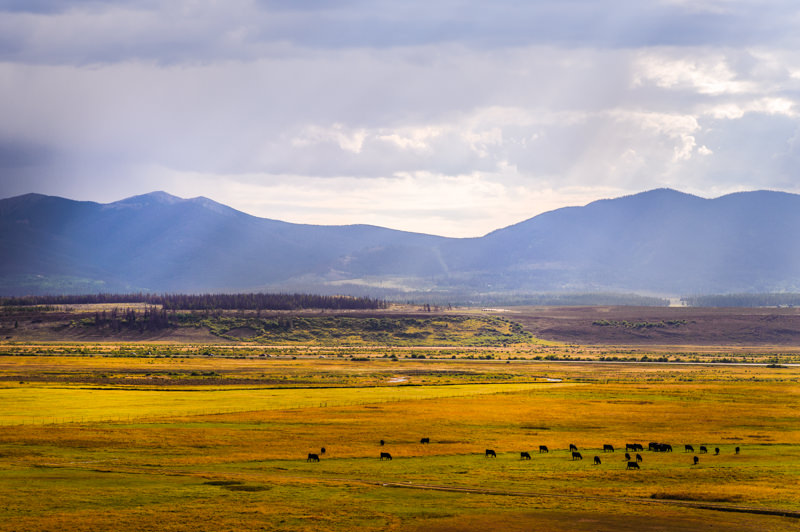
{"type": "Point", "coordinates": [668, 192]}
{"type": "Point", "coordinates": [655, 194]}
{"type": "Point", "coordinates": [762, 193]}
{"type": "Point", "coordinates": [159, 198]}
{"type": "Point", "coordinates": [156, 197]}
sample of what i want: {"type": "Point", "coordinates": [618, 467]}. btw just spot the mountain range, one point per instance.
{"type": "Point", "coordinates": [660, 242]}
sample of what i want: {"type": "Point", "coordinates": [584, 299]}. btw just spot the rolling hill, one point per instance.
{"type": "Point", "coordinates": [659, 242]}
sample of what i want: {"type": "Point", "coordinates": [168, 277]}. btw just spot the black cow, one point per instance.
{"type": "Point", "coordinates": [524, 455]}
{"type": "Point", "coordinates": [572, 447]}
{"type": "Point", "coordinates": [387, 456]}
{"type": "Point", "coordinates": [322, 451]}
{"type": "Point", "coordinates": [716, 451]}
{"type": "Point", "coordinates": [607, 447]}
{"type": "Point", "coordinates": [736, 451]}
{"type": "Point", "coordinates": [632, 465]}
{"type": "Point", "coordinates": [638, 457]}
{"type": "Point", "coordinates": [490, 453]}
{"type": "Point", "coordinates": [638, 447]}
{"type": "Point", "coordinates": [696, 459]}
{"type": "Point", "coordinates": [664, 448]}
{"type": "Point", "coordinates": [425, 440]}
{"type": "Point", "coordinates": [576, 455]}
{"type": "Point", "coordinates": [312, 457]}
{"type": "Point", "coordinates": [703, 449]}
{"type": "Point", "coordinates": [688, 449]}
{"type": "Point", "coordinates": [382, 443]}
{"type": "Point", "coordinates": [544, 449]}
{"type": "Point", "coordinates": [627, 456]}
{"type": "Point", "coordinates": [630, 446]}
{"type": "Point", "coordinates": [596, 460]}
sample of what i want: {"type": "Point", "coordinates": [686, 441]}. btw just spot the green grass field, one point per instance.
{"type": "Point", "coordinates": [85, 456]}
{"type": "Point", "coordinates": [69, 404]}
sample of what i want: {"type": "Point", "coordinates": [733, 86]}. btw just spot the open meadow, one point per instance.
{"type": "Point", "coordinates": [232, 457]}
{"type": "Point", "coordinates": [163, 436]}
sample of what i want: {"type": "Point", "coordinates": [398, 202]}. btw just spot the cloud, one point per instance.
{"type": "Point", "coordinates": [709, 75]}
{"type": "Point", "coordinates": [52, 6]}
{"type": "Point", "coordinates": [458, 206]}
{"type": "Point", "coordinates": [16, 153]}
{"type": "Point", "coordinates": [455, 115]}
{"type": "Point", "coordinates": [186, 31]}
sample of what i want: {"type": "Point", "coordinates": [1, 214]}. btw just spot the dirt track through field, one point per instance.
{"type": "Point", "coordinates": [634, 500]}
{"type": "Point", "coordinates": [455, 489]}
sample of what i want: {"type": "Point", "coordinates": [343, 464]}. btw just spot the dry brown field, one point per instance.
{"type": "Point", "coordinates": [729, 327]}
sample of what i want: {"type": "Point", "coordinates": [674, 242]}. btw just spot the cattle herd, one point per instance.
{"type": "Point", "coordinates": [576, 455]}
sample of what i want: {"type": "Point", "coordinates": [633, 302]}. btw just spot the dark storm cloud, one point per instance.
{"type": "Point", "coordinates": [15, 153]}
{"type": "Point", "coordinates": [88, 31]}
{"type": "Point", "coordinates": [60, 6]}
{"type": "Point", "coordinates": [501, 24]}
{"type": "Point", "coordinates": [615, 23]}
{"type": "Point", "coordinates": [33, 6]}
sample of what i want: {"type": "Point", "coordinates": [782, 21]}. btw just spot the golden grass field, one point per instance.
{"type": "Point", "coordinates": [101, 441]}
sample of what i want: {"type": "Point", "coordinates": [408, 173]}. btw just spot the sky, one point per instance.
{"type": "Point", "coordinates": [449, 117]}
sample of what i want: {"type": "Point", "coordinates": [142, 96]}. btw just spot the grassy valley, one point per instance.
{"type": "Point", "coordinates": [165, 432]}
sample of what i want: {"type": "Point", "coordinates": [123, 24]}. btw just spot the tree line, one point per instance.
{"type": "Point", "coordinates": [743, 300]}
{"type": "Point", "coordinates": [151, 319]}
{"type": "Point", "coordinates": [250, 301]}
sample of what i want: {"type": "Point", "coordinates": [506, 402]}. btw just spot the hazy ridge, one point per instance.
{"type": "Point", "coordinates": [656, 242]}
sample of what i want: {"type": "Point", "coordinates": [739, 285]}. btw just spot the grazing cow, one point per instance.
{"type": "Point", "coordinates": [387, 456]}
{"type": "Point", "coordinates": [703, 449]}
{"type": "Point", "coordinates": [638, 447]}
{"type": "Point", "coordinates": [322, 451]}
{"type": "Point", "coordinates": [572, 447]}
{"type": "Point", "coordinates": [576, 455]}
{"type": "Point", "coordinates": [665, 448]}
{"type": "Point", "coordinates": [632, 465]}
{"type": "Point", "coordinates": [653, 446]}
{"type": "Point", "coordinates": [736, 451]}
{"type": "Point", "coordinates": [382, 443]}
{"type": "Point", "coordinates": [524, 455]}
{"type": "Point", "coordinates": [607, 447]}
{"type": "Point", "coordinates": [688, 449]}
{"type": "Point", "coordinates": [696, 459]}
{"type": "Point", "coordinates": [627, 456]}
{"type": "Point", "coordinates": [630, 446]}
{"type": "Point", "coordinates": [596, 460]}
{"type": "Point", "coordinates": [638, 457]}
{"type": "Point", "coordinates": [716, 451]}
{"type": "Point", "coordinates": [544, 449]}
{"type": "Point", "coordinates": [312, 457]}
{"type": "Point", "coordinates": [425, 440]}
{"type": "Point", "coordinates": [490, 453]}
